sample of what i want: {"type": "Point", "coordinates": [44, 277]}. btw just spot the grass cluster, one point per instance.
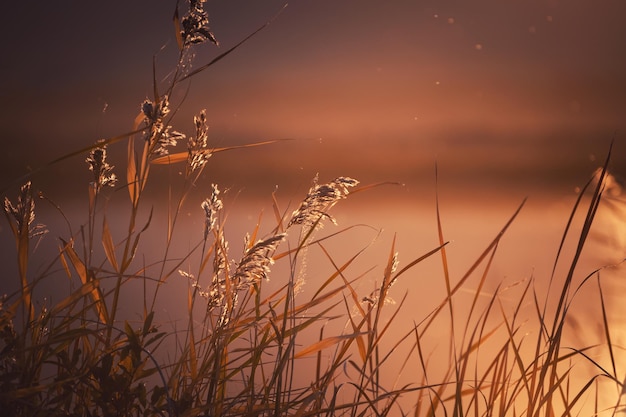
{"type": "Point", "coordinates": [247, 349]}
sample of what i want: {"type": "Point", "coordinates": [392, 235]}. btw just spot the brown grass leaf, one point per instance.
{"type": "Point", "coordinates": [82, 272]}
{"type": "Point", "coordinates": [182, 156]}
{"type": "Point", "coordinates": [131, 172]}
{"type": "Point", "coordinates": [177, 31]}
{"type": "Point", "coordinates": [109, 246]}
{"type": "Point", "coordinates": [326, 343]}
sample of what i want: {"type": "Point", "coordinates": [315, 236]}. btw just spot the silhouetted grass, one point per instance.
{"type": "Point", "coordinates": [246, 350]}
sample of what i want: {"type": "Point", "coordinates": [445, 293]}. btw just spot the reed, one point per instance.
{"type": "Point", "coordinates": [250, 349]}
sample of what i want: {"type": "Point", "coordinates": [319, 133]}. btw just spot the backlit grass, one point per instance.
{"type": "Point", "coordinates": [329, 346]}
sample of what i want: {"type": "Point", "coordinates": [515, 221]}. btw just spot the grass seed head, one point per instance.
{"type": "Point", "coordinates": [256, 262]}
{"type": "Point", "coordinates": [23, 213]}
{"type": "Point", "coordinates": [159, 136]}
{"type": "Point", "coordinates": [197, 146]}
{"type": "Point", "coordinates": [320, 199]}
{"type": "Point", "coordinates": [195, 25]}
{"type": "Point", "coordinates": [211, 206]}
{"type": "Point", "coordinates": [102, 171]}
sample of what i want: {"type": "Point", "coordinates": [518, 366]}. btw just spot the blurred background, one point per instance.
{"type": "Point", "coordinates": [521, 96]}
{"type": "Point", "coordinates": [481, 103]}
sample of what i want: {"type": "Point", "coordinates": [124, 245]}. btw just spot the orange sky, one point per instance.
{"type": "Point", "coordinates": [510, 98]}
{"type": "Point", "coordinates": [477, 86]}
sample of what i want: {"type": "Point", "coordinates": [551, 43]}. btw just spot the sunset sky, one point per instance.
{"type": "Point", "coordinates": [506, 98]}
{"type": "Point", "coordinates": [492, 91]}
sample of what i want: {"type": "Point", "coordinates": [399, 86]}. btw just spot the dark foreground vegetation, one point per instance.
{"type": "Point", "coordinates": [248, 349]}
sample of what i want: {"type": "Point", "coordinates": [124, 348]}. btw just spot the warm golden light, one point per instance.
{"type": "Point", "coordinates": [458, 145]}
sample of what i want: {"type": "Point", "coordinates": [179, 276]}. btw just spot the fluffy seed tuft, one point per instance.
{"type": "Point", "coordinates": [23, 214]}
{"type": "Point", "coordinates": [158, 135]}
{"type": "Point", "coordinates": [195, 25]}
{"type": "Point", "coordinates": [102, 171]}
{"type": "Point", "coordinates": [256, 262]}
{"type": "Point", "coordinates": [197, 147]}
{"type": "Point", "coordinates": [320, 199]}
{"type": "Point", "coordinates": [211, 206]}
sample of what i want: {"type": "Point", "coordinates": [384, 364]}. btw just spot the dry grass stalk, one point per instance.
{"type": "Point", "coordinates": [243, 347]}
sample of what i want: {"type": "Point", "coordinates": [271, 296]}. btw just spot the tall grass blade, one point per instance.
{"type": "Point", "coordinates": [430, 319]}
{"type": "Point", "coordinates": [177, 28]}
{"type": "Point", "coordinates": [561, 307]}
{"type": "Point", "coordinates": [179, 157]}
{"type": "Point", "coordinates": [84, 275]}
{"type": "Point", "coordinates": [229, 51]}
{"type": "Point", "coordinates": [607, 332]}
{"type": "Point", "coordinates": [109, 246]}
{"type": "Point", "coordinates": [326, 343]}
{"type": "Point", "coordinates": [131, 173]}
